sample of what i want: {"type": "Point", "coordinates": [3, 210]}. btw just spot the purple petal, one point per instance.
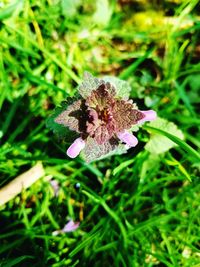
{"type": "Point", "coordinates": [150, 115]}
{"type": "Point", "coordinates": [55, 186]}
{"type": "Point", "coordinates": [75, 148]}
{"type": "Point", "coordinates": [70, 226]}
{"type": "Point", "coordinates": [128, 138]}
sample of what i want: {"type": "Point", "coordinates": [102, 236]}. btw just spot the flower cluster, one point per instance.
{"type": "Point", "coordinates": [103, 116]}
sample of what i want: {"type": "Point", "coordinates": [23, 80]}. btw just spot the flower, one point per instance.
{"type": "Point", "coordinates": [103, 117]}
{"type": "Point", "coordinates": [55, 185]}
{"type": "Point", "coordinates": [71, 226]}
{"type": "Point", "coordinates": [75, 148]}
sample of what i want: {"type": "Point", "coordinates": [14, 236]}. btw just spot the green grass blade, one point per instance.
{"type": "Point", "coordinates": [129, 71]}
{"type": "Point", "coordinates": [18, 260]}
{"type": "Point", "coordinates": [176, 140]}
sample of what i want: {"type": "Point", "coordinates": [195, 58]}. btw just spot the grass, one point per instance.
{"type": "Point", "coordinates": [137, 209]}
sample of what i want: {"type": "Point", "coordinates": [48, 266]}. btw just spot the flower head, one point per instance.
{"type": "Point", "coordinates": [103, 117]}
{"type": "Point", "coordinates": [70, 226]}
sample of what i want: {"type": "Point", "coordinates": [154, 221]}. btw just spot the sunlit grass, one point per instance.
{"type": "Point", "coordinates": [137, 209]}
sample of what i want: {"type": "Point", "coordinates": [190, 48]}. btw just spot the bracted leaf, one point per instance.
{"type": "Point", "coordinates": [89, 84]}
{"type": "Point", "coordinates": [119, 150]}
{"type": "Point", "coordinates": [61, 131]}
{"type": "Point", "coordinates": [125, 116]}
{"type": "Point", "coordinates": [93, 150]}
{"type": "Point", "coordinates": [102, 97]}
{"type": "Point", "coordinates": [122, 88]}
{"type": "Point", "coordinates": [74, 117]}
{"type": "Point", "coordinates": [158, 143]}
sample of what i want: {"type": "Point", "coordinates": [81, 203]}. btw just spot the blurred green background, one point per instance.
{"type": "Point", "coordinates": [138, 209]}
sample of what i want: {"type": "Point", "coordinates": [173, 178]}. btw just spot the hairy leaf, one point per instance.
{"type": "Point", "coordinates": [89, 84]}
{"type": "Point", "coordinates": [125, 116]}
{"type": "Point", "coordinates": [122, 88]}
{"type": "Point", "coordinates": [93, 150]}
{"type": "Point", "coordinates": [102, 97]}
{"type": "Point", "coordinates": [74, 117]}
{"type": "Point", "coordinates": [60, 130]}
{"type": "Point", "coordinates": [158, 143]}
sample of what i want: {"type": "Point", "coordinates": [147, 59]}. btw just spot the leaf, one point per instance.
{"type": "Point", "coordinates": [122, 88]}
{"type": "Point", "coordinates": [160, 143]}
{"type": "Point", "coordinates": [89, 84]}
{"type": "Point", "coordinates": [102, 97]}
{"type": "Point", "coordinates": [74, 116]}
{"type": "Point", "coordinates": [119, 150]}
{"type": "Point", "coordinates": [125, 116]}
{"type": "Point", "coordinates": [94, 151]}
{"type": "Point", "coordinates": [194, 93]}
{"type": "Point", "coordinates": [177, 140]}
{"type": "Point", "coordinates": [60, 130]}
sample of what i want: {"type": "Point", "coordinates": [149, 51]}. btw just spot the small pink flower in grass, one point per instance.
{"type": "Point", "coordinates": [55, 186]}
{"type": "Point", "coordinates": [103, 117]}
{"type": "Point", "coordinates": [71, 226]}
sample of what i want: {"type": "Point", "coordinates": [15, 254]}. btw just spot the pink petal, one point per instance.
{"type": "Point", "coordinates": [128, 138]}
{"type": "Point", "coordinates": [75, 148]}
{"type": "Point", "coordinates": [55, 186]}
{"type": "Point", "coordinates": [150, 115]}
{"type": "Point", "coordinates": [70, 226]}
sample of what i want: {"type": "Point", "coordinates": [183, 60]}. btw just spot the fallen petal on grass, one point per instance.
{"type": "Point", "coordinates": [55, 185]}
{"type": "Point", "coordinates": [71, 226]}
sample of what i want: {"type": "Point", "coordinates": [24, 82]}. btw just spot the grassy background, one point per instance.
{"type": "Point", "coordinates": [137, 209]}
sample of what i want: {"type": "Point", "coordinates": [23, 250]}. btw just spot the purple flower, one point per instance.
{"type": "Point", "coordinates": [55, 186]}
{"type": "Point", "coordinates": [128, 138]}
{"type": "Point", "coordinates": [76, 147]}
{"type": "Point", "coordinates": [103, 117]}
{"type": "Point", "coordinates": [71, 226]}
{"type": "Point", "coordinates": [149, 115]}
